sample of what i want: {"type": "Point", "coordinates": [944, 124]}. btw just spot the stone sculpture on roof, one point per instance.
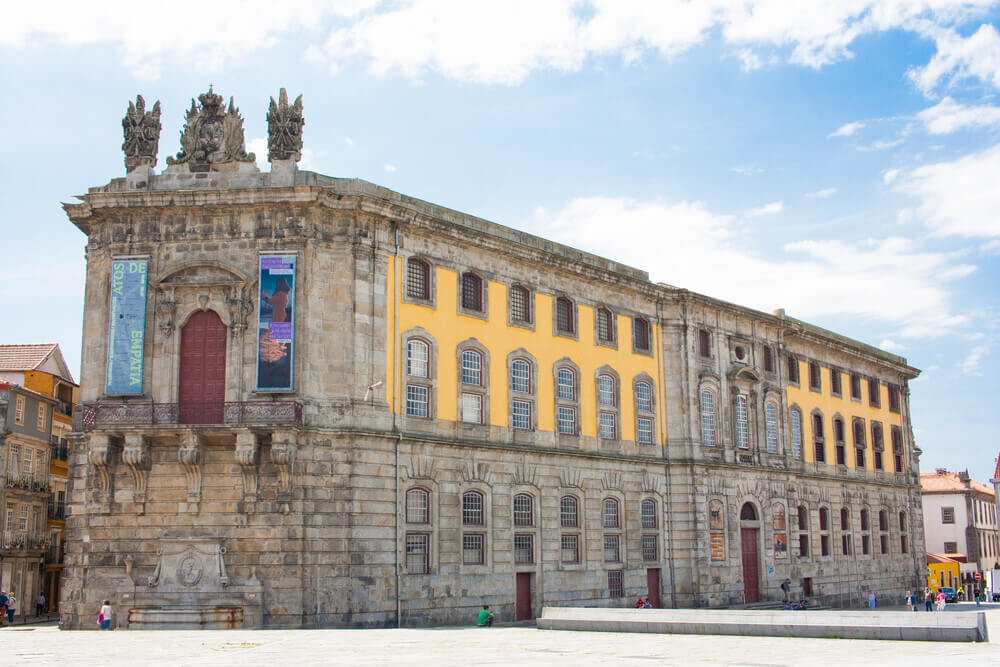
{"type": "Point", "coordinates": [212, 134]}
{"type": "Point", "coordinates": [142, 134]}
{"type": "Point", "coordinates": [284, 129]}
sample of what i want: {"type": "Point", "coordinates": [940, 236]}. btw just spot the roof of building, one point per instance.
{"type": "Point", "coordinates": [32, 356]}
{"type": "Point", "coordinates": [943, 481]}
{"type": "Point", "coordinates": [940, 559]}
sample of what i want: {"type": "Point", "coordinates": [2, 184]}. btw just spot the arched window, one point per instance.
{"type": "Point", "coordinates": [472, 292]}
{"type": "Point", "coordinates": [819, 442]}
{"type": "Point", "coordinates": [824, 519]}
{"type": "Point", "coordinates": [472, 508]}
{"type": "Point", "coordinates": [418, 506]}
{"type": "Point", "coordinates": [418, 282]}
{"type": "Point", "coordinates": [610, 513]}
{"type": "Point", "coordinates": [640, 334]}
{"type": "Point", "coordinates": [883, 520]}
{"type": "Point", "coordinates": [523, 510]}
{"type": "Point", "coordinates": [520, 376]}
{"type": "Point", "coordinates": [472, 368]}
{"type": "Point", "coordinates": [643, 397]}
{"type": "Point", "coordinates": [865, 537]}
{"type": "Point", "coordinates": [742, 423]}
{"type": "Point", "coordinates": [568, 512]}
{"type": "Point", "coordinates": [417, 357]}
{"type": "Point", "coordinates": [520, 304]}
{"type": "Point", "coordinates": [566, 384]}
{"type": "Point", "coordinates": [567, 405]}
{"type": "Point", "coordinates": [748, 512]}
{"type": "Point", "coordinates": [707, 418]}
{"type": "Point", "coordinates": [605, 326]}
{"type": "Point", "coordinates": [606, 390]}
{"type": "Point", "coordinates": [564, 315]}
{"type": "Point", "coordinates": [803, 532]}
{"type": "Point", "coordinates": [803, 518]}
{"type": "Point", "coordinates": [858, 427]}
{"type": "Point", "coordinates": [903, 547]}
{"type": "Point", "coordinates": [838, 441]}
{"type": "Point", "coordinates": [771, 424]}
{"type": "Point", "coordinates": [648, 513]}
{"type": "Point", "coordinates": [643, 409]}
{"type": "Point", "coordinates": [795, 429]}
{"type": "Point", "coordinates": [877, 445]}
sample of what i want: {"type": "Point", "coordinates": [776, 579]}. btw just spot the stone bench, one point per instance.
{"type": "Point", "coordinates": [833, 624]}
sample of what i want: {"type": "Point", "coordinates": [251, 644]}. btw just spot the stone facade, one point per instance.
{"type": "Point", "coordinates": [307, 492]}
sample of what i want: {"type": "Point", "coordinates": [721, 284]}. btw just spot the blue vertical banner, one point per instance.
{"type": "Point", "coordinates": [276, 323]}
{"type": "Point", "coordinates": [126, 326]}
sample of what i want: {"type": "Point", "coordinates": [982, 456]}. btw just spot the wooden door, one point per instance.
{"type": "Point", "coordinates": [653, 587]}
{"type": "Point", "coordinates": [748, 538]}
{"type": "Point", "coordinates": [522, 606]}
{"type": "Point", "coordinates": [202, 377]}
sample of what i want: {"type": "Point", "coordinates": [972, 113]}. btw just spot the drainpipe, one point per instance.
{"type": "Point", "coordinates": [666, 452]}
{"type": "Point", "coordinates": [395, 408]}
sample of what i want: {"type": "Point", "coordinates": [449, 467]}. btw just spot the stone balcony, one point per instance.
{"type": "Point", "coordinates": [105, 415]}
{"type": "Point", "coordinates": [22, 540]}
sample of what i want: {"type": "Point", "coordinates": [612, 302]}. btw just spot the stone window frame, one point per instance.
{"type": "Point", "coordinates": [903, 532]}
{"type": "Point", "coordinates": [794, 408]}
{"type": "Point", "coordinates": [428, 553]}
{"type": "Point", "coordinates": [839, 440]}
{"type": "Point", "coordinates": [574, 313]}
{"type": "Point", "coordinates": [529, 304]}
{"type": "Point", "coordinates": [884, 528]}
{"type": "Point", "coordinates": [792, 361]}
{"type": "Point", "coordinates": [896, 439]}
{"type": "Point", "coordinates": [484, 295]}
{"type": "Point", "coordinates": [531, 397]}
{"type": "Point", "coordinates": [532, 510]}
{"type": "Point", "coordinates": [579, 530]}
{"type": "Point", "coordinates": [855, 381]}
{"type": "Point", "coordinates": [431, 300]}
{"type": "Point", "coordinates": [874, 398]}
{"type": "Point", "coordinates": [711, 384]}
{"type": "Point", "coordinates": [486, 528]}
{"type": "Point", "coordinates": [567, 438]}
{"type": "Point", "coordinates": [859, 432]}
{"type": "Point", "coordinates": [723, 532]}
{"type": "Point", "coordinates": [618, 530]}
{"type": "Point", "coordinates": [768, 355]}
{"type": "Point", "coordinates": [777, 508]}
{"type": "Point", "coordinates": [878, 445]}
{"type": "Point", "coordinates": [614, 410]}
{"type": "Point", "coordinates": [482, 390]}
{"type": "Point", "coordinates": [751, 421]}
{"type": "Point", "coordinates": [865, 526]}
{"type": "Point", "coordinates": [616, 583]}
{"type": "Point", "coordinates": [815, 373]}
{"type": "Point", "coordinates": [836, 386]}
{"type": "Point", "coordinates": [893, 397]}
{"type": "Point", "coordinates": [637, 413]}
{"type": "Point", "coordinates": [802, 530]}
{"type": "Point", "coordinates": [770, 434]}
{"type": "Point", "coordinates": [827, 545]}
{"type": "Point", "coordinates": [430, 382]}
{"type": "Point", "coordinates": [611, 342]}
{"type": "Point", "coordinates": [818, 441]}
{"type": "Point", "coordinates": [642, 513]}
{"type": "Point", "coordinates": [846, 546]}
{"type": "Point", "coordinates": [706, 350]}
{"type": "Point", "coordinates": [648, 350]}
{"type": "Point", "coordinates": [425, 492]}
{"type": "Point", "coordinates": [431, 530]}
{"type": "Point", "coordinates": [534, 493]}
{"type": "Point", "coordinates": [738, 344]}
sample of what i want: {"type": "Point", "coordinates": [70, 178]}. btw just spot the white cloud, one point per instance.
{"type": "Point", "coordinates": [348, 141]}
{"type": "Point", "coordinates": [957, 58]}
{"type": "Point", "coordinates": [890, 280]}
{"type": "Point", "coordinates": [890, 175]}
{"type": "Point", "coordinates": [891, 346]}
{"type": "Point", "coordinates": [959, 198]}
{"type": "Point", "coordinates": [747, 171]}
{"type": "Point", "coordinates": [825, 193]}
{"type": "Point", "coordinates": [846, 129]}
{"type": "Point", "coordinates": [970, 365]}
{"type": "Point", "coordinates": [881, 145]}
{"type": "Point", "coordinates": [768, 209]}
{"type": "Point", "coordinates": [389, 167]}
{"type": "Point", "coordinates": [750, 60]}
{"type": "Point", "coordinates": [947, 116]}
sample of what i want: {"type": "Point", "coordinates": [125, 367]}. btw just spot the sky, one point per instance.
{"type": "Point", "coordinates": [839, 160]}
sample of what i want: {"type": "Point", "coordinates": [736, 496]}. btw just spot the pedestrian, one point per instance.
{"type": "Point", "coordinates": [786, 586]}
{"type": "Point", "coordinates": [104, 617]}
{"type": "Point", "coordinates": [928, 600]}
{"type": "Point", "coordinates": [485, 619]}
{"type": "Point", "coordinates": [640, 603]}
{"type": "Point", "coordinates": [648, 604]}
{"type": "Point", "coordinates": [961, 593]}
{"type": "Point", "coordinates": [979, 598]}
{"type": "Point", "coordinates": [942, 601]}
{"type": "Point", "coordinates": [11, 607]}
{"type": "Point", "coordinates": [39, 604]}
{"type": "Point", "coordinates": [871, 600]}
{"type": "Point", "coordinates": [910, 601]}
{"type": "Point", "coordinates": [3, 606]}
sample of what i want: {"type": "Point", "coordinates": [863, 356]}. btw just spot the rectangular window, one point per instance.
{"type": "Point", "coordinates": [569, 547]}
{"type": "Point", "coordinates": [565, 381]}
{"type": "Point", "coordinates": [742, 423]}
{"type": "Point", "coordinates": [416, 358]}
{"type": "Point", "coordinates": [567, 421]}
{"type": "Point", "coordinates": [768, 359]}
{"type": "Point", "coordinates": [793, 370]}
{"type": "Point", "coordinates": [841, 454]}
{"type": "Point", "coordinates": [951, 547]}
{"type": "Point", "coordinates": [707, 418]}
{"type": "Point", "coordinates": [824, 545]}
{"type": "Point", "coordinates": [644, 431]}
{"type": "Point", "coordinates": [472, 368]}
{"type": "Point", "coordinates": [29, 463]}
{"type": "Point", "coordinates": [804, 545]}
{"type": "Point", "coordinates": [884, 543]}
{"type": "Point", "coordinates": [418, 553]}
{"type": "Point", "coordinates": [819, 451]}
{"type": "Point", "coordinates": [19, 411]}
{"type": "Point", "coordinates": [612, 550]}
{"type": "Point", "coordinates": [416, 400]}
{"type": "Point", "coordinates": [524, 550]}
{"type": "Point", "coordinates": [874, 399]}
{"type": "Point", "coordinates": [704, 343]}
{"type": "Point", "coordinates": [42, 413]}
{"type": "Point", "coordinates": [640, 334]}
{"type": "Point", "coordinates": [649, 550]}
{"type": "Point", "coordinates": [416, 279]}
{"type": "Point", "coordinates": [519, 304]}
{"type": "Point", "coordinates": [520, 414]}
{"type": "Point", "coordinates": [472, 549]}
{"type": "Point", "coordinates": [616, 585]}
{"type": "Point", "coordinates": [795, 420]}
{"type": "Point", "coordinates": [947, 515]}
{"type": "Point", "coordinates": [865, 547]}
{"type": "Point", "coordinates": [845, 544]}
{"type": "Point", "coordinates": [835, 387]}
{"type": "Point", "coordinates": [771, 419]}
{"type": "Point", "coordinates": [608, 426]}
{"type": "Point", "coordinates": [643, 397]}
{"type": "Point", "coordinates": [815, 383]}
{"type": "Point", "coordinates": [472, 408]}
{"type": "Point", "coordinates": [893, 398]}
{"type": "Point", "coordinates": [855, 386]}
{"type": "Point", "coordinates": [520, 376]}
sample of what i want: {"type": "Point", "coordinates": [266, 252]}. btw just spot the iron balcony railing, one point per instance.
{"type": "Point", "coordinates": [60, 449]}
{"type": "Point", "coordinates": [26, 483]}
{"type": "Point", "coordinates": [21, 539]}
{"type": "Point", "coordinates": [98, 415]}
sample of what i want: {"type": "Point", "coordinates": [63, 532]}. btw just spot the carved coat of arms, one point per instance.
{"type": "Point", "coordinates": [284, 128]}
{"type": "Point", "coordinates": [212, 134]}
{"type": "Point", "coordinates": [142, 134]}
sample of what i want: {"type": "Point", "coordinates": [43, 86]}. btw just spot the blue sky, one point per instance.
{"type": "Point", "coordinates": [839, 160]}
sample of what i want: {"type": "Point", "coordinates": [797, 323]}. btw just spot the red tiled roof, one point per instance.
{"type": "Point", "coordinates": [939, 558]}
{"type": "Point", "coordinates": [24, 357]}
{"type": "Point", "coordinates": [933, 482]}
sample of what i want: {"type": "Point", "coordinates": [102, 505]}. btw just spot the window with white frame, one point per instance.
{"type": "Point", "coordinates": [42, 414]}
{"type": "Point", "coordinates": [524, 514]}
{"type": "Point", "coordinates": [643, 397]}
{"type": "Point", "coordinates": [472, 408]}
{"type": "Point", "coordinates": [472, 368]}
{"type": "Point", "coordinates": [644, 430]}
{"type": "Point", "coordinates": [644, 412]}
{"type": "Point", "coordinates": [418, 506]}
{"type": "Point", "coordinates": [742, 423]}
{"type": "Point", "coordinates": [608, 426]}
{"type": "Point", "coordinates": [19, 410]}
{"type": "Point", "coordinates": [418, 373]}
{"type": "Point", "coordinates": [648, 513]}
{"type": "Point", "coordinates": [29, 463]}
{"type": "Point", "coordinates": [795, 432]}
{"type": "Point", "coordinates": [566, 384]}
{"type": "Point", "coordinates": [417, 357]}
{"type": "Point", "coordinates": [417, 400]}
{"type": "Point", "coordinates": [22, 519]}
{"type": "Point", "coordinates": [524, 549]}
{"type": "Point", "coordinates": [567, 420]}
{"type": "Point", "coordinates": [566, 401]}
{"type": "Point", "coordinates": [771, 423]}
{"type": "Point", "coordinates": [606, 390]}
{"type": "Point", "coordinates": [707, 418]}
{"type": "Point", "coordinates": [418, 553]}
{"type": "Point", "coordinates": [520, 376]}
{"type": "Point", "coordinates": [569, 516]}
{"type": "Point", "coordinates": [520, 414]}
{"type": "Point", "coordinates": [609, 514]}
{"type": "Point", "coordinates": [472, 508]}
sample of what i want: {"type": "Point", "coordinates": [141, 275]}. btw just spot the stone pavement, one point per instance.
{"type": "Point", "coordinates": [46, 645]}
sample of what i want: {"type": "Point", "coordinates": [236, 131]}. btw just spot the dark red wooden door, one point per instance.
{"type": "Point", "coordinates": [522, 606]}
{"type": "Point", "coordinates": [748, 538]}
{"type": "Point", "coordinates": [202, 382]}
{"type": "Point", "coordinates": [653, 587]}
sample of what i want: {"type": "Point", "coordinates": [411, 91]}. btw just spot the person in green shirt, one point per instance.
{"type": "Point", "coordinates": [485, 617]}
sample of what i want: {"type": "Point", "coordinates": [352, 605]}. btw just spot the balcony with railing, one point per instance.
{"type": "Point", "coordinates": [103, 415]}
{"type": "Point", "coordinates": [59, 449]}
{"type": "Point", "coordinates": [26, 483]}
{"type": "Point", "coordinates": [23, 540]}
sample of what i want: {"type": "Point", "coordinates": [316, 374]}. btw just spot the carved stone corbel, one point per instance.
{"type": "Point", "coordinates": [166, 308]}
{"type": "Point", "coordinates": [239, 309]}
{"type": "Point", "coordinates": [189, 456]}
{"type": "Point", "coordinates": [136, 456]}
{"type": "Point", "coordinates": [247, 449]}
{"type": "Point", "coordinates": [100, 455]}
{"type": "Point", "coordinates": [283, 448]}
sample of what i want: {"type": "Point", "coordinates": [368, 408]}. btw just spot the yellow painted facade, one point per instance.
{"type": "Point", "coordinates": [948, 573]}
{"type": "Point", "coordinates": [449, 329]}
{"type": "Point", "coordinates": [807, 400]}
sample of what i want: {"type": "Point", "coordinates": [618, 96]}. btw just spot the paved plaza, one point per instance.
{"type": "Point", "coordinates": [47, 645]}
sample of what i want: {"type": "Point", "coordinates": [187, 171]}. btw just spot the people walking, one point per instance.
{"type": "Point", "coordinates": [928, 600]}
{"type": "Point", "coordinates": [872, 600]}
{"type": "Point", "coordinates": [3, 607]}
{"type": "Point", "coordinates": [11, 607]}
{"type": "Point", "coordinates": [911, 601]}
{"type": "Point", "coordinates": [104, 617]}
{"type": "Point", "coordinates": [786, 586]}
{"type": "Point", "coordinates": [39, 604]}
{"type": "Point", "coordinates": [942, 601]}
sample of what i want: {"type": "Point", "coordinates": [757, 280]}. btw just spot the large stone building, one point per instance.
{"type": "Point", "coordinates": [312, 401]}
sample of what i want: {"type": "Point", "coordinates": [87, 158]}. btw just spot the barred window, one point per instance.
{"type": "Point", "coordinates": [524, 549]}
{"type": "Point", "coordinates": [520, 304]}
{"type": "Point", "coordinates": [567, 420]}
{"type": "Point", "coordinates": [418, 553]}
{"type": "Point", "coordinates": [855, 386]}
{"type": "Point", "coordinates": [520, 414]}
{"type": "Point", "coordinates": [874, 399]}
{"type": "Point", "coordinates": [793, 370]}
{"type": "Point", "coordinates": [605, 326]}
{"type": "Point", "coordinates": [608, 426]}
{"type": "Point", "coordinates": [835, 382]}
{"type": "Point", "coordinates": [649, 550]}
{"type": "Point", "coordinates": [795, 426]}
{"type": "Point", "coordinates": [814, 376]}
{"type": "Point", "coordinates": [417, 355]}
{"type": "Point", "coordinates": [564, 315]}
{"type": "Point", "coordinates": [472, 408]}
{"type": "Point", "coordinates": [612, 550]}
{"type": "Point", "coordinates": [416, 400]}
{"type": "Point", "coordinates": [417, 279]}
{"type": "Point", "coordinates": [418, 506]}
{"type": "Point", "coordinates": [472, 368]}
{"type": "Point", "coordinates": [610, 513]}
{"type": "Point", "coordinates": [472, 549]}
{"type": "Point", "coordinates": [568, 516]}
{"type": "Point", "coordinates": [707, 418]}
{"type": "Point", "coordinates": [893, 398]}
{"type": "Point", "coordinates": [640, 334]}
{"type": "Point", "coordinates": [644, 430]}
{"type": "Point", "coordinates": [648, 511]}
{"type": "Point", "coordinates": [523, 512]}
{"type": "Point", "coordinates": [472, 292]}
{"type": "Point", "coordinates": [897, 448]}
{"type": "Point", "coordinates": [472, 508]}
{"type": "Point", "coordinates": [520, 376]}
{"type": "Point", "coordinates": [704, 343]}
{"type": "Point", "coordinates": [819, 443]}
{"type": "Point", "coordinates": [606, 390]}
{"type": "Point", "coordinates": [643, 396]}
{"type": "Point", "coordinates": [742, 423]}
{"type": "Point", "coordinates": [771, 420]}
{"type": "Point", "coordinates": [566, 384]}
{"type": "Point", "coordinates": [616, 587]}
{"type": "Point", "coordinates": [569, 547]}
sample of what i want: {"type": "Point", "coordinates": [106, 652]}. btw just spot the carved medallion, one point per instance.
{"type": "Point", "coordinates": [189, 570]}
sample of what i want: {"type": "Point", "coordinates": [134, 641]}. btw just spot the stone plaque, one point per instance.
{"type": "Point", "coordinates": [718, 546]}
